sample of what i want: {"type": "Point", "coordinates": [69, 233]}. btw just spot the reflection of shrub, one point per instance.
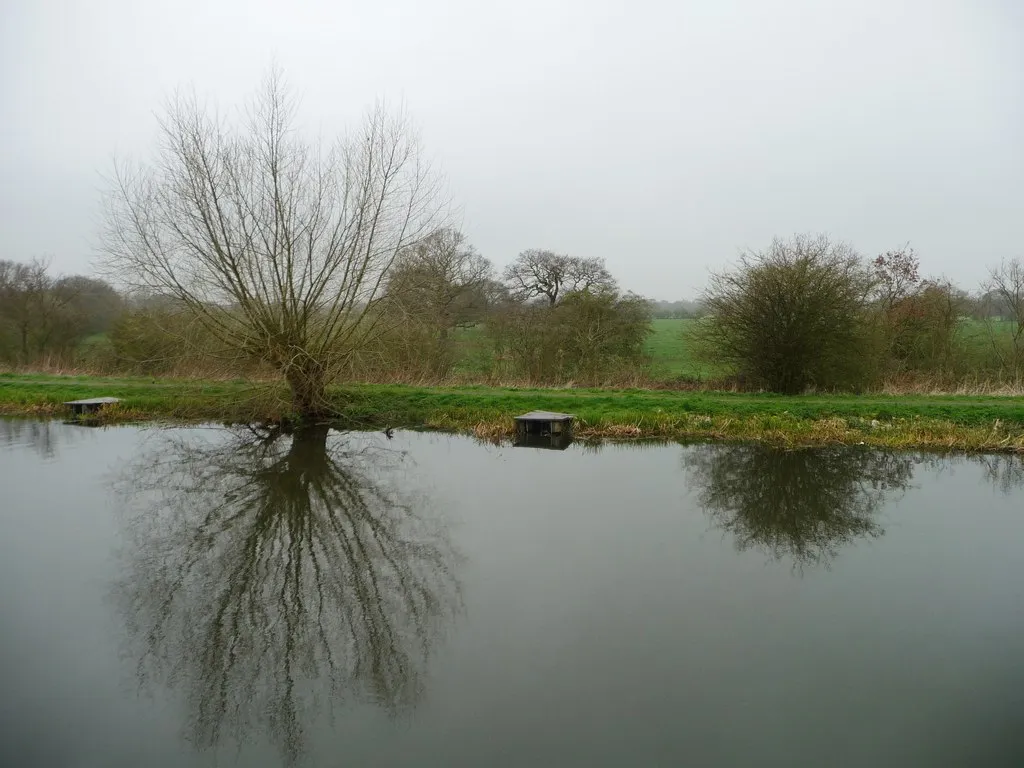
{"type": "Point", "coordinates": [798, 504]}
{"type": "Point", "coordinates": [586, 337]}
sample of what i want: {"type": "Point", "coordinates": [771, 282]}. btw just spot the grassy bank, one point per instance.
{"type": "Point", "coordinates": [989, 423]}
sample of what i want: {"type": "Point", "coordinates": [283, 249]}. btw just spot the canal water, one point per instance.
{"type": "Point", "coordinates": [214, 596]}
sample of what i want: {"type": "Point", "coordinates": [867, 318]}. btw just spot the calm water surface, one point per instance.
{"type": "Point", "coordinates": [198, 597]}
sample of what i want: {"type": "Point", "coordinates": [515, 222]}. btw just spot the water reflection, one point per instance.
{"type": "Point", "coordinates": [802, 505]}
{"type": "Point", "coordinates": [40, 436]}
{"type": "Point", "coordinates": [272, 576]}
{"type": "Point", "coordinates": [550, 442]}
{"type": "Point", "coordinates": [1003, 471]}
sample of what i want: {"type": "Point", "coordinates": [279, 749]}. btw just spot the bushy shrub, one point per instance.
{"type": "Point", "coordinates": [793, 317]}
{"type": "Point", "coordinates": [587, 337]}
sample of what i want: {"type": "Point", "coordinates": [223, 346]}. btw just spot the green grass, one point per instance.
{"type": "Point", "coordinates": [602, 406]}
{"type": "Point", "coordinates": [962, 422]}
{"type": "Point", "coordinates": [976, 337]}
{"type": "Point", "coordinates": [671, 351]}
{"type": "Point", "coordinates": [474, 355]}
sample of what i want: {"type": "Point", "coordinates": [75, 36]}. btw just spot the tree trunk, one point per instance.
{"type": "Point", "coordinates": [309, 391]}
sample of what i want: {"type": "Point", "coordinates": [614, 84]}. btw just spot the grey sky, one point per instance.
{"type": "Point", "coordinates": [661, 136]}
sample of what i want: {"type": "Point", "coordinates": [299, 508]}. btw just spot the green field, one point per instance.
{"type": "Point", "coordinates": [671, 352]}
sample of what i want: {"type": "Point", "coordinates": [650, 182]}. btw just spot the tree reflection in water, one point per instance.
{"type": "Point", "coordinates": [271, 575]}
{"type": "Point", "coordinates": [1003, 471]}
{"type": "Point", "coordinates": [40, 436]}
{"type": "Point", "coordinates": [803, 505]}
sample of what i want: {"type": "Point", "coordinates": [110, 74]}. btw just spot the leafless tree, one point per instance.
{"type": "Point", "coordinates": [897, 276]}
{"type": "Point", "coordinates": [548, 275]}
{"type": "Point", "coordinates": [442, 280]}
{"type": "Point", "coordinates": [33, 308]}
{"type": "Point", "coordinates": [918, 317]}
{"type": "Point", "coordinates": [1004, 290]}
{"type": "Point", "coordinates": [93, 304]}
{"type": "Point", "coordinates": [587, 338]}
{"type": "Point", "coordinates": [437, 285]}
{"type": "Point", "coordinates": [280, 247]}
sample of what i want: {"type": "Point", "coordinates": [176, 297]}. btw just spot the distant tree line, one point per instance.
{"type": "Point", "coordinates": [805, 313]}
{"type": "Point", "coordinates": [677, 310]}
{"type": "Point", "coordinates": [42, 315]}
{"type": "Point", "coordinates": [547, 318]}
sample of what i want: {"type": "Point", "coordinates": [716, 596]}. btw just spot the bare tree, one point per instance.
{"type": "Point", "coordinates": [919, 317]}
{"type": "Point", "coordinates": [278, 246]}
{"type": "Point", "coordinates": [897, 276]}
{"type": "Point", "coordinates": [1004, 295]}
{"type": "Point", "coordinates": [93, 304]}
{"type": "Point", "coordinates": [586, 338]}
{"type": "Point", "coordinates": [34, 309]}
{"type": "Point", "coordinates": [437, 285]}
{"type": "Point", "coordinates": [442, 280]}
{"type": "Point", "coordinates": [548, 275]}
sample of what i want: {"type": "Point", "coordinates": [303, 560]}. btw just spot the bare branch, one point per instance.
{"type": "Point", "coordinates": [278, 246]}
{"type": "Point", "coordinates": [550, 276]}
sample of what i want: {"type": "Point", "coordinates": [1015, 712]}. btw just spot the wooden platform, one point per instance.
{"type": "Point", "coordinates": [90, 405]}
{"type": "Point", "coordinates": [544, 423]}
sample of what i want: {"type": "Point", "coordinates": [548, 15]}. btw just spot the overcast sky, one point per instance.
{"type": "Point", "coordinates": [661, 136]}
